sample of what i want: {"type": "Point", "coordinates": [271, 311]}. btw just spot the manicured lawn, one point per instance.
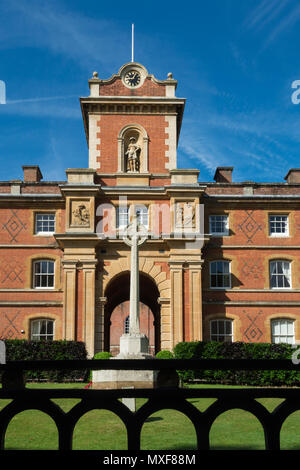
{"type": "Point", "coordinates": [166, 429]}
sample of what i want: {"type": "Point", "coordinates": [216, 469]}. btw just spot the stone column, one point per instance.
{"type": "Point", "coordinates": [99, 324]}
{"type": "Point", "coordinates": [69, 312]}
{"type": "Point", "coordinates": [165, 324]}
{"type": "Point", "coordinates": [121, 161]}
{"type": "Point", "coordinates": [88, 307]}
{"type": "Point", "coordinates": [176, 271]}
{"type": "Point", "coordinates": [134, 314]}
{"type": "Point", "coordinates": [195, 290]}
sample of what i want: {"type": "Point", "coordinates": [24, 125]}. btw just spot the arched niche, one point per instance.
{"type": "Point", "coordinates": [142, 140]}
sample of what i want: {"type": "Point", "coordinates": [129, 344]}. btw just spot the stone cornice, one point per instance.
{"type": "Point", "coordinates": [250, 303]}
{"type": "Point", "coordinates": [167, 190]}
{"type": "Point", "coordinates": [132, 100]}
{"type": "Point", "coordinates": [31, 303]}
{"type": "Point", "coordinates": [89, 240]}
{"type": "Point", "coordinates": [252, 197]}
{"type": "Point", "coordinates": [265, 291]}
{"type": "Point", "coordinates": [132, 105]}
{"type": "Point", "coordinates": [115, 191]}
{"type": "Point", "coordinates": [31, 197]}
{"type": "Point", "coordinates": [22, 246]}
{"type": "Point", "coordinates": [252, 247]}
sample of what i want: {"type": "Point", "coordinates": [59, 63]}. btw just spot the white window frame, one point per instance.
{"type": "Point", "coordinates": [47, 273]}
{"type": "Point", "coordinates": [274, 265]}
{"type": "Point", "coordinates": [219, 335]}
{"type": "Point", "coordinates": [279, 222]}
{"type": "Point", "coordinates": [127, 213]}
{"type": "Point", "coordinates": [223, 273]}
{"type": "Point", "coordinates": [121, 211]}
{"type": "Point", "coordinates": [43, 232]}
{"type": "Point", "coordinates": [143, 215]}
{"type": "Point", "coordinates": [214, 222]}
{"type": "Point", "coordinates": [283, 335]}
{"type": "Point", "coordinates": [40, 336]}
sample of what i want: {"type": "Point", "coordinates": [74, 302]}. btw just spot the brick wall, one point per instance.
{"type": "Point", "coordinates": [110, 127]}
{"type": "Point", "coordinates": [149, 88]}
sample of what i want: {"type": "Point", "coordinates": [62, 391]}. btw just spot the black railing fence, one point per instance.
{"type": "Point", "coordinates": [159, 398]}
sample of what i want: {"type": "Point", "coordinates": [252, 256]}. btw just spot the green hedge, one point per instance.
{"type": "Point", "coordinates": [164, 354]}
{"type": "Point", "coordinates": [103, 355]}
{"type": "Point", "coordinates": [218, 350]}
{"type": "Point", "coordinates": [22, 350]}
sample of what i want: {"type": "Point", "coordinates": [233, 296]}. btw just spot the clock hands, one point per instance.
{"type": "Point", "coordinates": [132, 78]}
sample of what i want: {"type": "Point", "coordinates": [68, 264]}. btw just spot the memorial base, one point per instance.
{"type": "Point", "coordinates": [131, 347]}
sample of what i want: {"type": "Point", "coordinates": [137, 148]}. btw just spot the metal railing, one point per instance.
{"type": "Point", "coordinates": [159, 398]}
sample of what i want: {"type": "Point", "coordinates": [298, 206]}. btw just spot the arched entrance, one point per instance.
{"type": "Point", "coordinates": [117, 293]}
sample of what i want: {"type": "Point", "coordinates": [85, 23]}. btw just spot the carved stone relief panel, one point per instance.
{"type": "Point", "coordinates": [185, 215]}
{"type": "Point", "coordinates": [80, 213]}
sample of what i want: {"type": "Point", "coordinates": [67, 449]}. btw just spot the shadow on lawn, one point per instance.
{"type": "Point", "coordinates": [230, 448]}
{"type": "Point", "coordinates": [149, 420]}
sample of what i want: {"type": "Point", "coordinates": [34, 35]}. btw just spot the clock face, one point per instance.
{"type": "Point", "coordinates": [132, 78]}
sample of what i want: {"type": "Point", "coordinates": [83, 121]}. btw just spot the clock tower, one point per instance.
{"type": "Point", "coordinates": [132, 123]}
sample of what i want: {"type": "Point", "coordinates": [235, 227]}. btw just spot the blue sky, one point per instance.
{"type": "Point", "coordinates": [235, 62]}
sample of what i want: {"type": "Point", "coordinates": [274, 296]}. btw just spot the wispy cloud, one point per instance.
{"type": "Point", "coordinates": [201, 147]}
{"type": "Point", "coordinates": [83, 39]}
{"type": "Point", "coordinates": [264, 13]}
{"type": "Point", "coordinates": [197, 153]}
{"type": "Point", "coordinates": [257, 142]}
{"type": "Point", "coordinates": [40, 99]}
{"type": "Point", "coordinates": [285, 24]}
{"type": "Point", "coordinates": [38, 108]}
{"type": "Point", "coordinates": [53, 163]}
{"type": "Point", "coordinates": [44, 107]}
{"type": "Point", "coordinates": [273, 17]}
{"type": "Point", "coordinates": [264, 124]}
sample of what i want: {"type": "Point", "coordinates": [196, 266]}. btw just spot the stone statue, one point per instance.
{"type": "Point", "coordinates": [133, 155]}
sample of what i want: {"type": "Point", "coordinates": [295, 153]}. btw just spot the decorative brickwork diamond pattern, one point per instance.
{"type": "Point", "coordinates": [7, 322]}
{"type": "Point", "coordinates": [11, 271]}
{"type": "Point", "coordinates": [14, 226]}
{"type": "Point", "coordinates": [250, 269]}
{"type": "Point", "coordinates": [249, 226]}
{"type": "Point", "coordinates": [253, 333]}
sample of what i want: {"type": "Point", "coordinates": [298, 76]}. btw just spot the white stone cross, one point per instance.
{"type": "Point", "coordinates": [135, 235]}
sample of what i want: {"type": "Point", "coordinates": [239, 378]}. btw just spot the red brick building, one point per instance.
{"type": "Point", "coordinates": [221, 261]}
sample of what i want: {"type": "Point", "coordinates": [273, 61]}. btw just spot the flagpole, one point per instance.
{"type": "Point", "coordinates": [132, 43]}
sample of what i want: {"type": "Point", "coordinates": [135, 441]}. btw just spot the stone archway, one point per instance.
{"type": "Point", "coordinates": [146, 266]}
{"type": "Point", "coordinates": [160, 281]}
{"type": "Point", "coordinates": [117, 305]}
